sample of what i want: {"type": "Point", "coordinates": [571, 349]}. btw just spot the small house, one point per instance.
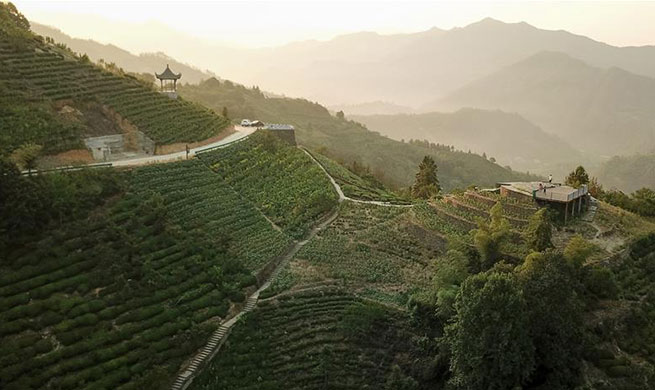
{"type": "Point", "coordinates": [568, 200]}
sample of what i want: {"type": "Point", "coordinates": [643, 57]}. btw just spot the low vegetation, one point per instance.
{"type": "Point", "coordinates": [319, 339]}
{"type": "Point", "coordinates": [283, 181]}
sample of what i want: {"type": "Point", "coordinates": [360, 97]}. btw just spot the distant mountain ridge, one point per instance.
{"type": "Point", "coordinates": [601, 111]}
{"type": "Point", "coordinates": [510, 138]}
{"type": "Point", "coordinates": [412, 69]}
{"type": "Point", "coordinates": [142, 63]}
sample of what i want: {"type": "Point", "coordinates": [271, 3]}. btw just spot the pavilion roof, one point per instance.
{"type": "Point", "coordinates": [168, 74]}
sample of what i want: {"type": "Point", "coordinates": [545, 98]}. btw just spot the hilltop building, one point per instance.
{"type": "Point", "coordinates": [568, 200]}
{"type": "Point", "coordinates": [287, 133]}
{"type": "Point", "coordinates": [168, 81]}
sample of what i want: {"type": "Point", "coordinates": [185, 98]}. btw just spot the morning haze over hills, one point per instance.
{"type": "Point", "coordinates": [368, 212]}
{"type": "Point", "coordinates": [591, 99]}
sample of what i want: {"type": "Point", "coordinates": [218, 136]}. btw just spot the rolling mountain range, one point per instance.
{"type": "Point", "coordinates": [481, 131]}
{"type": "Point", "coordinates": [142, 63]}
{"type": "Point", "coordinates": [603, 111]}
{"type": "Point", "coordinates": [411, 69]}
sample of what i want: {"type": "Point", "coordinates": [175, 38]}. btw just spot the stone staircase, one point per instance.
{"type": "Point", "coordinates": [210, 349]}
{"type": "Point", "coordinates": [591, 210]}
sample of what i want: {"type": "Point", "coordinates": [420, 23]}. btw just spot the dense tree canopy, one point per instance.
{"type": "Point", "coordinates": [549, 287]}
{"type": "Point", "coordinates": [489, 337]}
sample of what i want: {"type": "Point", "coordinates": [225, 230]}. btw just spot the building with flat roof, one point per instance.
{"type": "Point", "coordinates": [567, 199]}
{"type": "Point", "coordinates": [287, 133]}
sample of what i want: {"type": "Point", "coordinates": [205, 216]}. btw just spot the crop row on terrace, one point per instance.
{"type": "Point", "coordinates": [355, 186]}
{"type": "Point", "coordinates": [119, 300]}
{"type": "Point", "coordinates": [316, 339]}
{"type": "Point", "coordinates": [366, 245]}
{"type": "Point", "coordinates": [198, 199]}
{"type": "Point", "coordinates": [511, 207]}
{"type": "Point", "coordinates": [284, 183]}
{"type": "Point", "coordinates": [51, 74]}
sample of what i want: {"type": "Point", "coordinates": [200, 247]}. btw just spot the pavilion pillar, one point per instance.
{"type": "Point", "coordinates": [566, 213]}
{"type": "Point", "coordinates": [579, 205]}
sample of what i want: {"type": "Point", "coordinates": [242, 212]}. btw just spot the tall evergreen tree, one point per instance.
{"type": "Point", "coordinates": [427, 183]}
{"type": "Point", "coordinates": [577, 178]}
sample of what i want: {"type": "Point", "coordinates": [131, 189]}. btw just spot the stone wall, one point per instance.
{"type": "Point", "coordinates": [112, 147]}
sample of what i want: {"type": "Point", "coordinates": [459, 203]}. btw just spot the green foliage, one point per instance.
{"type": "Point", "coordinates": [31, 204]}
{"type": "Point", "coordinates": [556, 328]}
{"type": "Point", "coordinates": [600, 282]}
{"type": "Point", "coordinates": [641, 202]}
{"type": "Point", "coordinates": [314, 339]}
{"type": "Point", "coordinates": [357, 181]}
{"type": "Point", "coordinates": [25, 156]}
{"type": "Point", "coordinates": [489, 337]}
{"type": "Point", "coordinates": [578, 250]}
{"type": "Point", "coordinates": [451, 271]}
{"type": "Point", "coordinates": [539, 231]}
{"type": "Point", "coordinates": [488, 237]}
{"type": "Point", "coordinates": [577, 178]}
{"type": "Point", "coordinates": [426, 184]}
{"type": "Point", "coordinates": [397, 380]}
{"type": "Point", "coordinates": [207, 205]}
{"type": "Point", "coordinates": [285, 183]}
{"type": "Point", "coordinates": [126, 290]}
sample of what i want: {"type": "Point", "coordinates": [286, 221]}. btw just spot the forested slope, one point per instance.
{"type": "Point", "coordinates": [391, 161]}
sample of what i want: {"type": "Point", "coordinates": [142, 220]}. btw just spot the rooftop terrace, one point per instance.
{"type": "Point", "coordinates": [554, 192]}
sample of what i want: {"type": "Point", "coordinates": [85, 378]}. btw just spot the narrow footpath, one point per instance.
{"type": "Point", "coordinates": [343, 196]}
{"type": "Point", "coordinates": [217, 339]}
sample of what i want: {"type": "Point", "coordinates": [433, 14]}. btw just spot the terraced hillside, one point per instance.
{"type": "Point", "coordinates": [35, 73]}
{"type": "Point", "coordinates": [120, 298]}
{"type": "Point", "coordinates": [355, 186]}
{"type": "Point", "coordinates": [323, 338]}
{"type": "Point", "coordinates": [284, 182]}
{"type": "Point", "coordinates": [377, 251]}
{"type": "Point", "coordinates": [198, 199]}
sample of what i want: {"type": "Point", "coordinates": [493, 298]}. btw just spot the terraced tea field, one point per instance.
{"type": "Point", "coordinates": [198, 199]}
{"type": "Point", "coordinates": [120, 300]}
{"type": "Point", "coordinates": [46, 73]}
{"type": "Point", "coordinates": [282, 181]}
{"type": "Point", "coordinates": [313, 339]}
{"type": "Point", "coordinates": [355, 187]}
{"type": "Point", "coordinates": [115, 302]}
{"type": "Point", "coordinates": [368, 246]}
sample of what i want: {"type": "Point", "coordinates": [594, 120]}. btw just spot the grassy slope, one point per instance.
{"type": "Point", "coordinates": [395, 163]}
{"type": "Point", "coordinates": [36, 76]}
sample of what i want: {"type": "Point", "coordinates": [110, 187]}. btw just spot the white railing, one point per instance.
{"type": "Point", "coordinates": [559, 196]}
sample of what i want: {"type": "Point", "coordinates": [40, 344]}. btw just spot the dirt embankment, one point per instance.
{"type": "Point", "coordinates": [180, 146]}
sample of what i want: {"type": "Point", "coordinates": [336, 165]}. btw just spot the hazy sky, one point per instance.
{"type": "Point", "coordinates": [267, 23]}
